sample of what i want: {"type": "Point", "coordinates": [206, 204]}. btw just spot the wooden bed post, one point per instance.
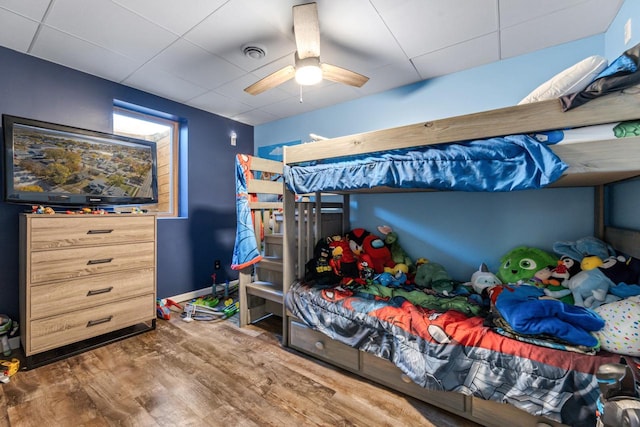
{"type": "Point", "coordinates": [599, 212]}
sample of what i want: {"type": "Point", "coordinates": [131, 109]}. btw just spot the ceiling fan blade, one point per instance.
{"type": "Point", "coordinates": [342, 75]}
{"type": "Point", "coordinates": [272, 80]}
{"type": "Point", "coordinates": [306, 29]}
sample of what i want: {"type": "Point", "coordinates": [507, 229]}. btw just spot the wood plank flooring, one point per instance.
{"type": "Point", "coordinates": [204, 374]}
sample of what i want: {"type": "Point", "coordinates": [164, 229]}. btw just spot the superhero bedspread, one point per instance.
{"type": "Point", "coordinates": [453, 351]}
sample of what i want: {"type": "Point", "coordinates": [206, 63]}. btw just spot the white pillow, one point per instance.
{"type": "Point", "coordinates": [571, 80]}
{"type": "Point", "coordinates": [621, 332]}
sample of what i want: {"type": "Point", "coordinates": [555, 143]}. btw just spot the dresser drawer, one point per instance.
{"type": "Point", "coordinates": [319, 345]}
{"type": "Point", "coordinates": [78, 325]}
{"type": "Point", "coordinates": [385, 372]}
{"type": "Point", "coordinates": [80, 262]}
{"type": "Point", "coordinates": [61, 297]}
{"type": "Point", "coordinates": [56, 231]}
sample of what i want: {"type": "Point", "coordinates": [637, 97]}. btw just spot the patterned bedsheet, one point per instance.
{"type": "Point", "coordinates": [448, 351]}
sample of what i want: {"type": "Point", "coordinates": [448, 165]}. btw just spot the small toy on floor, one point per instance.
{"type": "Point", "coordinates": [163, 308]}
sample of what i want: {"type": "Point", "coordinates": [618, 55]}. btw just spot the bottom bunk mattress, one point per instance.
{"type": "Point", "coordinates": [450, 349]}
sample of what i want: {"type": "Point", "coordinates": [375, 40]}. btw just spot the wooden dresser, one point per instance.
{"type": "Point", "coordinates": [85, 280]}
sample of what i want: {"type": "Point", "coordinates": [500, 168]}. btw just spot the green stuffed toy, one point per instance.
{"type": "Point", "coordinates": [521, 264]}
{"type": "Point", "coordinates": [399, 255]}
{"type": "Point", "coordinates": [431, 275]}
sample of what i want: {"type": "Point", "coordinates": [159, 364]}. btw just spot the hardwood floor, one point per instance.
{"type": "Point", "coordinates": [204, 374]}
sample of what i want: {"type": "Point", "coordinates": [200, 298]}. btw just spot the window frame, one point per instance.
{"type": "Point", "coordinates": [173, 159]}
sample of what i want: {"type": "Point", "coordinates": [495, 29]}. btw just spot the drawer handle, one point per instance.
{"type": "Point", "coordinates": [99, 291]}
{"type": "Point", "coordinates": [99, 261]}
{"type": "Point", "coordinates": [405, 378]}
{"type": "Point", "coordinates": [100, 231]}
{"type": "Point", "coordinates": [319, 345]}
{"type": "Point", "coordinates": [91, 323]}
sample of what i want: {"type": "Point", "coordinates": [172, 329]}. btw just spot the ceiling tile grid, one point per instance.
{"type": "Point", "coordinates": [192, 52]}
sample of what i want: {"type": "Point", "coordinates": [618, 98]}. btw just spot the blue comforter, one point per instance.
{"type": "Point", "coordinates": [516, 162]}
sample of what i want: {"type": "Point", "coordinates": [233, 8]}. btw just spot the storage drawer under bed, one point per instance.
{"type": "Point", "coordinates": [385, 372]}
{"type": "Point", "coordinates": [321, 346]}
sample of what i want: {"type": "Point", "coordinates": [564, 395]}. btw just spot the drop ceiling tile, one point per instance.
{"type": "Point", "coordinates": [558, 27]}
{"type": "Point", "coordinates": [218, 104]}
{"type": "Point", "coordinates": [196, 65]}
{"type": "Point", "coordinates": [254, 30]}
{"type": "Point", "coordinates": [16, 32]}
{"type": "Point", "coordinates": [426, 26]}
{"type": "Point", "coordinates": [389, 77]}
{"type": "Point", "coordinates": [71, 52]}
{"type": "Point", "coordinates": [255, 117]}
{"type": "Point", "coordinates": [109, 25]}
{"type": "Point", "coordinates": [159, 82]}
{"type": "Point", "coordinates": [291, 107]}
{"type": "Point", "coordinates": [366, 45]}
{"type": "Point", "coordinates": [514, 12]}
{"type": "Point", "coordinates": [173, 15]}
{"type": "Point", "coordinates": [333, 93]}
{"type": "Point", "coordinates": [472, 53]}
{"type": "Point", "coordinates": [33, 9]}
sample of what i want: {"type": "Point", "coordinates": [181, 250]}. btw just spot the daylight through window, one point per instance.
{"type": "Point", "coordinates": [165, 134]}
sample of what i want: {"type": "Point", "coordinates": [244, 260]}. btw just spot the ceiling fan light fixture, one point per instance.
{"type": "Point", "coordinates": [308, 71]}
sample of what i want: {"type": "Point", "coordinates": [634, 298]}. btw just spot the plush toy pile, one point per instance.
{"type": "Point", "coordinates": [582, 297]}
{"type": "Point", "coordinates": [363, 258]}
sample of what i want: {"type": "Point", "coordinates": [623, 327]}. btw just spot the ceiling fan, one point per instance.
{"type": "Point", "coordinates": [308, 69]}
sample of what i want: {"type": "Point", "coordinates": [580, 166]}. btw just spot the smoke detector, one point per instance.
{"type": "Point", "coordinates": [254, 52]}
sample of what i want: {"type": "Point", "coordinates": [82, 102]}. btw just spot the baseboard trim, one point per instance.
{"type": "Point", "coordinates": [198, 293]}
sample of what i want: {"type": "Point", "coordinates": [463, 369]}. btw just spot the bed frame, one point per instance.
{"type": "Point", "coordinates": [593, 164]}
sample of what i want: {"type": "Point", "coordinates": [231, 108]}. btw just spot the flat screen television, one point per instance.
{"type": "Point", "coordinates": [57, 165]}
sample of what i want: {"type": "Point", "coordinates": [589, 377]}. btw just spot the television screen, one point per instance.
{"type": "Point", "coordinates": [58, 165]}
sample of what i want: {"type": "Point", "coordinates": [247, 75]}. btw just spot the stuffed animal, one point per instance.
{"type": "Point", "coordinates": [589, 288]}
{"type": "Point", "coordinates": [318, 268]}
{"type": "Point", "coordinates": [399, 255]}
{"type": "Point", "coordinates": [380, 255]}
{"type": "Point", "coordinates": [584, 247]}
{"type": "Point", "coordinates": [432, 275]}
{"type": "Point", "coordinates": [483, 279]}
{"type": "Point", "coordinates": [343, 262]}
{"type": "Point", "coordinates": [392, 280]}
{"type": "Point", "coordinates": [522, 263]}
{"type": "Point", "coordinates": [552, 279]}
{"type": "Point", "coordinates": [356, 238]}
{"type": "Point", "coordinates": [621, 269]}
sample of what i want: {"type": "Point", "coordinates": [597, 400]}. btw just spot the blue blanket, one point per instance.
{"type": "Point", "coordinates": [516, 162]}
{"type": "Point", "coordinates": [527, 314]}
{"type": "Point", "coordinates": [245, 251]}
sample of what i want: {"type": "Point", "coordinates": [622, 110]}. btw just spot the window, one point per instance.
{"type": "Point", "coordinates": [165, 133]}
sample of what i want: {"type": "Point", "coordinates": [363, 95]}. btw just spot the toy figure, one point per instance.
{"type": "Point", "coordinates": [483, 279]}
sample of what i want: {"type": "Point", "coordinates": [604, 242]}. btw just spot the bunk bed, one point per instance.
{"type": "Point", "coordinates": [535, 385]}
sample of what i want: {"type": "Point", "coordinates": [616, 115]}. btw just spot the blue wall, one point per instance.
{"type": "Point", "coordinates": [458, 230]}
{"type": "Point", "coordinates": [187, 247]}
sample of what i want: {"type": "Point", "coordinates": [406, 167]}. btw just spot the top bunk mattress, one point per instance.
{"type": "Point", "coordinates": [514, 162]}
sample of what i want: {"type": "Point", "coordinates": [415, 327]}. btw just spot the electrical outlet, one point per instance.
{"type": "Point", "coordinates": [627, 31]}
{"type": "Point", "coordinates": [216, 264]}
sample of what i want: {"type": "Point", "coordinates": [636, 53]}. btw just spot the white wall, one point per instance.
{"type": "Point", "coordinates": [461, 230]}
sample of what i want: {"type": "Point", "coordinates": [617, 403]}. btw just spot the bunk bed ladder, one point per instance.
{"type": "Point", "coordinates": [260, 285]}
